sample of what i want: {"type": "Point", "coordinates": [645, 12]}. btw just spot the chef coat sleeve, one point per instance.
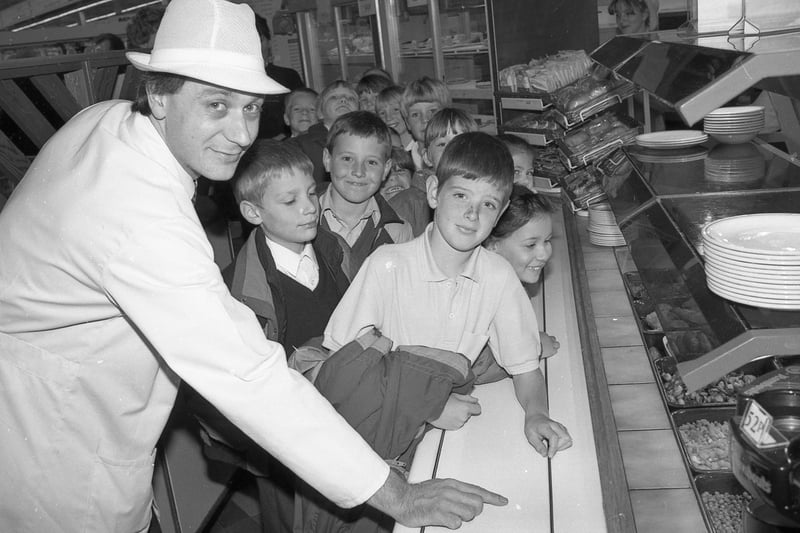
{"type": "Point", "coordinates": [165, 281]}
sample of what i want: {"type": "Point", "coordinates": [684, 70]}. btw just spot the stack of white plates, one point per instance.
{"type": "Point", "coordinates": [668, 140]}
{"type": "Point", "coordinates": [734, 163]}
{"type": "Point", "coordinates": [755, 259]}
{"type": "Point", "coordinates": [734, 125]}
{"type": "Point", "coordinates": [679, 155]}
{"type": "Point", "coordinates": [603, 229]}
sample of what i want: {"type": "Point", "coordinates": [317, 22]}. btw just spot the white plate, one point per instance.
{"type": "Point", "coordinates": [737, 110]}
{"type": "Point", "coordinates": [762, 260]}
{"type": "Point", "coordinates": [751, 283]}
{"type": "Point", "coordinates": [671, 139]}
{"type": "Point", "coordinates": [755, 302]}
{"type": "Point", "coordinates": [772, 234]}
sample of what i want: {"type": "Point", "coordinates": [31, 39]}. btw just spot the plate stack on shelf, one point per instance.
{"type": "Point", "coordinates": [603, 229]}
{"type": "Point", "coordinates": [669, 140]}
{"type": "Point", "coordinates": [734, 125]}
{"type": "Point", "coordinates": [755, 259]}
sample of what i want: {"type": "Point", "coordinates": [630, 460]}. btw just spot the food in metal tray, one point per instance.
{"type": "Point", "coordinates": [724, 510]}
{"type": "Point", "coordinates": [706, 444]}
{"type": "Point", "coordinates": [723, 391]}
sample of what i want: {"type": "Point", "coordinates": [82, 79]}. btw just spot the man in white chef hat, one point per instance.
{"type": "Point", "coordinates": [109, 296]}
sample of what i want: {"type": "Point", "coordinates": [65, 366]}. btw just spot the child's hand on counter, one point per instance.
{"type": "Point", "coordinates": [546, 436]}
{"type": "Point", "coordinates": [458, 409]}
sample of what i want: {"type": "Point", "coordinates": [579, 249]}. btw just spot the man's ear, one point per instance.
{"type": "Point", "coordinates": [250, 212]}
{"type": "Point", "coordinates": [286, 120]}
{"type": "Point", "coordinates": [432, 188]}
{"type": "Point", "coordinates": [158, 105]}
{"type": "Point", "coordinates": [326, 159]}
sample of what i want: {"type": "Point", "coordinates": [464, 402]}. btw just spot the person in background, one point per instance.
{"type": "Point", "coordinates": [522, 237]}
{"type": "Point", "coordinates": [107, 41]}
{"type": "Point", "coordinates": [422, 98]}
{"type": "Point", "coordinates": [358, 157]}
{"type": "Point", "coordinates": [407, 201]}
{"type": "Point", "coordinates": [445, 125]}
{"type": "Point", "coordinates": [272, 124]}
{"type": "Point", "coordinates": [378, 71]}
{"type": "Point", "coordinates": [367, 90]}
{"type": "Point", "coordinates": [292, 280]}
{"type": "Point", "coordinates": [141, 29]}
{"type": "Point", "coordinates": [388, 105]}
{"type": "Point", "coordinates": [634, 16]}
{"type": "Point", "coordinates": [523, 154]}
{"type": "Point", "coordinates": [300, 110]}
{"type": "Point", "coordinates": [113, 298]}
{"type": "Point", "coordinates": [337, 99]}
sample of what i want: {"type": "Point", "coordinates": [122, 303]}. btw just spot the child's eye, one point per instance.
{"type": "Point", "coordinates": [346, 158]}
{"type": "Point", "coordinates": [490, 205]}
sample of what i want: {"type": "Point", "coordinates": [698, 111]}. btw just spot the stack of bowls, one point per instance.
{"type": "Point", "coordinates": [734, 163]}
{"type": "Point", "coordinates": [603, 229]}
{"type": "Point", "coordinates": [734, 125]}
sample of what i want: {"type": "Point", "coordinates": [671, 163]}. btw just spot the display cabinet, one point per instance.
{"type": "Point", "coordinates": [662, 202]}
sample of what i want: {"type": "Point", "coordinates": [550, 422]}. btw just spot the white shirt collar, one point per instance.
{"type": "Point", "coordinates": [288, 261]}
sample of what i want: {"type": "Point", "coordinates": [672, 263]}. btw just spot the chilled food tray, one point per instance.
{"type": "Point", "coordinates": [587, 97]}
{"type": "Point", "coordinates": [582, 187]}
{"type": "Point", "coordinates": [541, 124]}
{"type": "Point", "coordinates": [596, 139]}
{"type": "Point", "coordinates": [723, 500]}
{"type": "Point", "coordinates": [545, 75]}
{"type": "Point", "coordinates": [703, 434]}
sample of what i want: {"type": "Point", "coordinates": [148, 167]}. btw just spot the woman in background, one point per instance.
{"type": "Point", "coordinates": [635, 16]}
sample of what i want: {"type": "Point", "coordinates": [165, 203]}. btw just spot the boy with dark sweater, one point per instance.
{"type": "Point", "coordinates": [358, 158]}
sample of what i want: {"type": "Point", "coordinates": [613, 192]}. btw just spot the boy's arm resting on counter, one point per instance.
{"type": "Point", "coordinates": [545, 435]}
{"type": "Point", "coordinates": [440, 502]}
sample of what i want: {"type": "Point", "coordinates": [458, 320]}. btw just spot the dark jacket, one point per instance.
{"type": "Point", "coordinates": [312, 143]}
{"type": "Point", "coordinates": [389, 230]}
{"type": "Point", "coordinates": [387, 396]}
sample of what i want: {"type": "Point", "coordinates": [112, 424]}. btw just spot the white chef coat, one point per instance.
{"type": "Point", "coordinates": [109, 295]}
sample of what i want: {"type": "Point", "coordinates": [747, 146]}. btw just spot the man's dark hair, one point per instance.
{"type": "Point", "coordinates": [156, 83]}
{"type": "Point", "coordinates": [262, 27]}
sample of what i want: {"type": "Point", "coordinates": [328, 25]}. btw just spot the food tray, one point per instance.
{"type": "Point", "coordinates": [717, 415]}
{"type": "Point", "coordinates": [620, 90]}
{"type": "Point", "coordinates": [573, 160]}
{"type": "Point", "coordinates": [727, 486]}
{"type": "Point", "coordinates": [582, 188]}
{"type": "Point", "coordinates": [674, 390]}
{"type": "Point", "coordinates": [664, 284]}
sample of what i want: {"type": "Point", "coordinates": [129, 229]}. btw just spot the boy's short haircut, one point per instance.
{"type": "Point", "coordinates": [373, 83]}
{"type": "Point", "coordinates": [287, 100]}
{"type": "Point", "coordinates": [362, 124]}
{"type": "Point", "coordinates": [402, 160]}
{"type": "Point", "coordinates": [388, 96]}
{"type": "Point", "coordinates": [476, 155]}
{"type": "Point", "coordinates": [266, 160]}
{"type": "Point", "coordinates": [424, 89]}
{"type": "Point", "coordinates": [329, 89]}
{"type": "Point", "coordinates": [524, 205]}
{"type": "Point", "coordinates": [446, 120]}
{"type": "Point", "coordinates": [516, 143]}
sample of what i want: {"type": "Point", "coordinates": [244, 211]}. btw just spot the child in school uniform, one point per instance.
{"type": "Point", "coordinates": [421, 100]}
{"type": "Point", "coordinates": [358, 158]}
{"type": "Point", "coordinates": [441, 129]}
{"type": "Point", "coordinates": [437, 301]}
{"type": "Point", "coordinates": [291, 278]}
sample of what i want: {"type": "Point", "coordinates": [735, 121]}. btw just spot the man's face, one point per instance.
{"type": "Point", "coordinates": [207, 128]}
{"type": "Point", "coordinates": [419, 115]}
{"type": "Point", "coordinates": [301, 113]}
{"type": "Point", "coordinates": [357, 165]}
{"type": "Point", "coordinates": [339, 101]}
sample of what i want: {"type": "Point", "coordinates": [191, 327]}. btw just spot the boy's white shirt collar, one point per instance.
{"type": "Point", "coordinates": [288, 261]}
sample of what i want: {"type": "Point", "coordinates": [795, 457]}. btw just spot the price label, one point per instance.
{"type": "Point", "coordinates": [756, 423]}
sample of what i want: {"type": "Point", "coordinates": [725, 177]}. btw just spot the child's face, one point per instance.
{"type": "Point", "coordinates": [338, 102]}
{"type": "Point", "coordinates": [528, 249]}
{"type": "Point", "coordinates": [465, 210]}
{"type": "Point", "coordinates": [358, 166]}
{"type": "Point", "coordinates": [523, 168]}
{"type": "Point", "coordinates": [630, 18]}
{"type": "Point", "coordinates": [419, 115]}
{"type": "Point", "coordinates": [391, 115]}
{"type": "Point", "coordinates": [399, 180]}
{"type": "Point", "coordinates": [301, 113]}
{"type": "Point", "coordinates": [289, 210]}
{"type": "Point", "coordinates": [433, 152]}
{"type": "Point", "coordinates": [366, 101]}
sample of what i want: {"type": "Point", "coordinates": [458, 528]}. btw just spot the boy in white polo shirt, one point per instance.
{"type": "Point", "coordinates": [443, 290]}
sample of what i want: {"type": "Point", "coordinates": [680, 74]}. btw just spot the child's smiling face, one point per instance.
{"type": "Point", "coordinates": [466, 210]}
{"type": "Point", "coordinates": [357, 165]}
{"type": "Point", "coordinates": [528, 249]}
{"type": "Point", "coordinates": [399, 179]}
